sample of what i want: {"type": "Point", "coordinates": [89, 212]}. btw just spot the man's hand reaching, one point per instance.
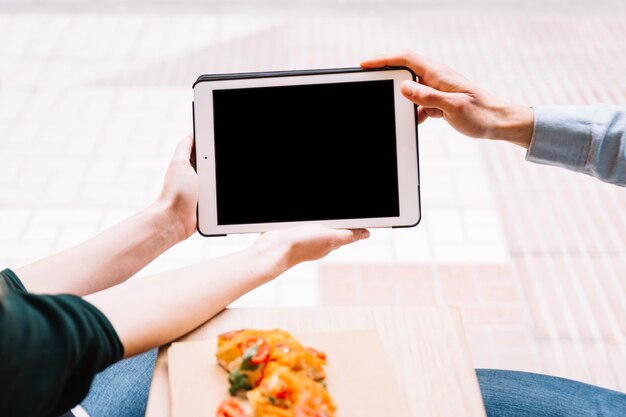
{"type": "Point", "coordinates": [443, 93]}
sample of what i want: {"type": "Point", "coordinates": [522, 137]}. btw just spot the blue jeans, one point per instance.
{"type": "Point", "coordinates": [122, 390]}
{"type": "Point", "coordinates": [524, 394]}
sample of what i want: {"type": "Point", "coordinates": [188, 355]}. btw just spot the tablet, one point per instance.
{"type": "Point", "coordinates": [336, 147]}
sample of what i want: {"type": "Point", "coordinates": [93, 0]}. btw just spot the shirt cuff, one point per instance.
{"type": "Point", "coordinates": [561, 136]}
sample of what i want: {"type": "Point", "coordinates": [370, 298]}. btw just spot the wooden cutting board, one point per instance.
{"type": "Point", "coordinates": [359, 375]}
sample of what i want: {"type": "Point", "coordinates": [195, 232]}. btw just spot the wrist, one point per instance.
{"type": "Point", "coordinates": [166, 222]}
{"type": "Point", "coordinates": [276, 251]}
{"type": "Point", "coordinates": [515, 125]}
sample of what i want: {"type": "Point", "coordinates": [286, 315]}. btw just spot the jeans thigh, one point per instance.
{"type": "Point", "coordinates": [524, 394]}
{"type": "Point", "coordinates": [122, 389]}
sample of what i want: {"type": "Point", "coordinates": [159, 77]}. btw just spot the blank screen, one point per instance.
{"type": "Point", "coordinates": [305, 152]}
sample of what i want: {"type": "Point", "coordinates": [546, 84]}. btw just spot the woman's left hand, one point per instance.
{"type": "Point", "coordinates": [180, 189]}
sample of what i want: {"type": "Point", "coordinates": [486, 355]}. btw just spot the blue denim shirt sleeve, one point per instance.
{"type": "Point", "coordinates": [587, 139]}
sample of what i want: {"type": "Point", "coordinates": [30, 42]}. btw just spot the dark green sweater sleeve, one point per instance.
{"type": "Point", "coordinates": [51, 347]}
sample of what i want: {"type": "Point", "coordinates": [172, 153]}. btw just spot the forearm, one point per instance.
{"type": "Point", "coordinates": [147, 313]}
{"type": "Point", "coordinates": [109, 258]}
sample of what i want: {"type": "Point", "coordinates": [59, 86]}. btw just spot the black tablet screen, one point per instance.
{"type": "Point", "coordinates": [306, 152]}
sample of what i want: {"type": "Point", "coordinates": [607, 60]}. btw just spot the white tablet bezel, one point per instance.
{"type": "Point", "coordinates": [406, 145]}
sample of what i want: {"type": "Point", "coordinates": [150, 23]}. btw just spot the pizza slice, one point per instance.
{"type": "Point", "coordinates": [245, 353]}
{"type": "Point", "coordinates": [285, 393]}
{"type": "Point", "coordinates": [271, 374]}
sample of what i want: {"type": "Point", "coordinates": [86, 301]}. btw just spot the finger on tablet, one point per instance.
{"type": "Point", "coordinates": [396, 59]}
{"type": "Point", "coordinates": [417, 63]}
{"type": "Point", "coordinates": [346, 236]}
{"type": "Point", "coordinates": [422, 115]}
{"type": "Point", "coordinates": [434, 113]}
{"type": "Point", "coordinates": [422, 95]}
{"type": "Point", "coordinates": [360, 234]}
{"type": "Point", "coordinates": [183, 149]}
{"type": "Point", "coordinates": [425, 68]}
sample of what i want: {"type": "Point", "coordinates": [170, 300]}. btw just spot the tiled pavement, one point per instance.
{"type": "Point", "coordinates": [92, 104]}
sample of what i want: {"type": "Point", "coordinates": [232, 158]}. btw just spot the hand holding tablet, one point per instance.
{"type": "Point", "coordinates": [335, 147]}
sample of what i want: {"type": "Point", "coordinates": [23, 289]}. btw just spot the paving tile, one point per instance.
{"type": "Point", "coordinates": [554, 300]}
{"type": "Point", "coordinates": [483, 226]}
{"type": "Point", "coordinates": [12, 223]}
{"type": "Point", "coordinates": [455, 253]}
{"type": "Point", "coordinates": [602, 319]}
{"type": "Point", "coordinates": [617, 355]}
{"type": "Point", "coordinates": [73, 235]}
{"type": "Point", "coordinates": [17, 254]}
{"type": "Point", "coordinates": [536, 302]}
{"type": "Point", "coordinates": [608, 280]}
{"type": "Point", "coordinates": [41, 234]}
{"type": "Point", "coordinates": [103, 171]}
{"type": "Point", "coordinates": [500, 315]}
{"type": "Point", "coordinates": [553, 358]}
{"type": "Point", "coordinates": [518, 361]}
{"type": "Point", "coordinates": [263, 296]}
{"type": "Point", "coordinates": [377, 286]}
{"type": "Point", "coordinates": [446, 226]}
{"type": "Point", "coordinates": [576, 362]}
{"type": "Point", "coordinates": [417, 285]}
{"type": "Point", "coordinates": [577, 301]}
{"type": "Point", "coordinates": [298, 295]}
{"type": "Point", "coordinates": [62, 189]}
{"type": "Point", "coordinates": [515, 338]}
{"type": "Point", "coordinates": [411, 246]}
{"type": "Point", "coordinates": [458, 284]}
{"type": "Point", "coordinates": [497, 283]}
{"type": "Point", "coordinates": [600, 365]}
{"type": "Point", "coordinates": [338, 284]}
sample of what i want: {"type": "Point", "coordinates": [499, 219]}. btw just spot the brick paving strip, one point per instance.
{"type": "Point", "coordinates": [534, 256]}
